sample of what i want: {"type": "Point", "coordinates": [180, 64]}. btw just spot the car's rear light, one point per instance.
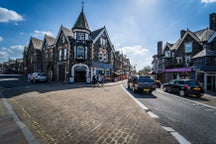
{"type": "Point", "coordinates": [187, 87]}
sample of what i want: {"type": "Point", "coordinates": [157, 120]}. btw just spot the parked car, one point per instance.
{"type": "Point", "coordinates": [184, 87]}
{"type": "Point", "coordinates": [38, 77]}
{"type": "Point", "coordinates": [141, 84]}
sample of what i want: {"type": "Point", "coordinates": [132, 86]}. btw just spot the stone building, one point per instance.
{"type": "Point", "coordinates": [189, 56]}
{"type": "Point", "coordinates": [75, 55]}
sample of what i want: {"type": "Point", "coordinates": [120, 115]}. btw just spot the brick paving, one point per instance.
{"type": "Point", "coordinates": [10, 133]}
{"type": "Point", "coordinates": [105, 115]}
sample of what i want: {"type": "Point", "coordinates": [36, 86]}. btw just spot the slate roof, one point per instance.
{"type": "Point", "coordinates": [67, 32]}
{"type": "Point", "coordinates": [199, 36]}
{"type": "Point", "coordinates": [81, 22]}
{"type": "Point", "coordinates": [205, 53]}
{"type": "Point", "coordinates": [37, 44]}
{"type": "Point", "coordinates": [95, 33]}
{"type": "Point", "coordinates": [50, 40]}
{"type": "Point", "coordinates": [204, 34]}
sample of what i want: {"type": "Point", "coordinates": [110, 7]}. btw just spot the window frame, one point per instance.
{"type": "Point", "coordinates": [187, 44]}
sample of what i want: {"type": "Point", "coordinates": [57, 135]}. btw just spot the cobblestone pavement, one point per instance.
{"type": "Point", "coordinates": [105, 115]}
{"type": "Point", "coordinates": [10, 133]}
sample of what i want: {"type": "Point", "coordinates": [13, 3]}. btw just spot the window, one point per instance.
{"type": "Point", "coordinates": [188, 47]}
{"type": "Point", "coordinates": [179, 60]}
{"type": "Point", "coordinates": [80, 52]}
{"type": "Point", "coordinates": [86, 36]}
{"type": "Point", "coordinates": [173, 54]}
{"type": "Point", "coordinates": [102, 41]}
{"type": "Point", "coordinates": [60, 55]}
{"type": "Point", "coordinates": [167, 53]}
{"type": "Point", "coordinates": [65, 54]}
{"type": "Point", "coordinates": [63, 39]}
{"type": "Point", "coordinates": [80, 36]}
{"type": "Point", "coordinates": [187, 60]}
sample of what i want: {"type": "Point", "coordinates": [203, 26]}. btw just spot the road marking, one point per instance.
{"type": "Point", "coordinates": [152, 115]}
{"type": "Point", "coordinates": [179, 137]}
{"type": "Point", "coordinates": [25, 130]}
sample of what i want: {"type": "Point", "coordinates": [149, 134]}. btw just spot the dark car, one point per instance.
{"type": "Point", "coordinates": [184, 87]}
{"type": "Point", "coordinates": [141, 84]}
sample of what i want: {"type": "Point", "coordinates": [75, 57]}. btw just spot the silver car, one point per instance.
{"type": "Point", "coordinates": [38, 77]}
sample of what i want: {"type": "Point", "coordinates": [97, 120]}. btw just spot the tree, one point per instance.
{"type": "Point", "coordinates": [145, 70]}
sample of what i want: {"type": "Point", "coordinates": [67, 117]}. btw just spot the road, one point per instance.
{"type": "Point", "coordinates": [194, 120]}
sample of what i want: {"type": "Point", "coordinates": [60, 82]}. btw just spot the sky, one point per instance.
{"type": "Point", "coordinates": [134, 26]}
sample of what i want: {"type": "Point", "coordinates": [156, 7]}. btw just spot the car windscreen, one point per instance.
{"type": "Point", "coordinates": [191, 82]}
{"type": "Point", "coordinates": [41, 74]}
{"type": "Point", "coordinates": [145, 80]}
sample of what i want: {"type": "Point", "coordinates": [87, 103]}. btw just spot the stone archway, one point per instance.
{"type": "Point", "coordinates": [78, 71]}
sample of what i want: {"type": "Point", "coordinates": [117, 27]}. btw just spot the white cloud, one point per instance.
{"type": "Point", "coordinates": [42, 33]}
{"type": "Point", "coordinates": [9, 15]}
{"type": "Point", "coordinates": [12, 52]}
{"type": "Point", "coordinates": [17, 47]}
{"type": "Point", "coordinates": [136, 50]}
{"type": "Point", "coordinates": [1, 39]}
{"type": "Point", "coordinates": [3, 54]}
{"type": "Point", "coordinates": [138, 56]}
{"type": "Point", "coordinates": [208, 1]}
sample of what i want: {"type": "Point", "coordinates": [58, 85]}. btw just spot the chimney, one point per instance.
{"type": "Point", "coordinates": [182, 32]}
{"type": "Point", "coordinates": [159, 48]}
{"type": "Point", "coordinates": [212, 21]}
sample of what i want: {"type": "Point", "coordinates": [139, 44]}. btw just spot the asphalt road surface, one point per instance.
{"type": "Point", "coordinates": [195, 121]}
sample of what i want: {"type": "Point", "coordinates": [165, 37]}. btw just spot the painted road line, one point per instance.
{"type": "Point", "coordinates": [137, 101]}
{"type": "Point", "coordinates": [152, 115]}
{"type": "Point", "coordinates": [179, 137]}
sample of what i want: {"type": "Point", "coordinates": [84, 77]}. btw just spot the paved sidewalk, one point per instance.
{"type": "Point", "coordinates": [88, 115]}
{"type": "Point", "coordinates": [10, 133]}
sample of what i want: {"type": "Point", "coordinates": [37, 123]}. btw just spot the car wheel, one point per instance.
{"type": "Point", "coordinates": [128, 86]}
{"type": "Point", "coordinates": [134, 90]}
{"type": "Point", "coordinates": [199, 96]}
{"type": "Point", "coordinates": [182, 93]}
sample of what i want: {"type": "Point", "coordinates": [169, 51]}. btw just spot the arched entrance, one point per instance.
{"type": "Point", "coordinates": [80, 72]}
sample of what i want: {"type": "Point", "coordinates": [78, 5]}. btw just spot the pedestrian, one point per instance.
{"type": "Point", "coordinates": [98, 79]}
{"type": "Point", "coordinates": [102, 80]}
{"type": "Point", "coordinates": [94, 80]}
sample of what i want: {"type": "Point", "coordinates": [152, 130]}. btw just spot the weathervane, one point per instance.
{"type": "Point", "coordinates": [82, 5]}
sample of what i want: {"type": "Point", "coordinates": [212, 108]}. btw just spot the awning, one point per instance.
{"type": "Point", "coordinates": [178, 70]}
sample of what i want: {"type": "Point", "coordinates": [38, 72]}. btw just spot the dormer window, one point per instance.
{"type": "Point", "coordinates": [86, 36]}
{"type": "Point", "coordinates": [188, 47]}
{"type": "Point", "coordinates": [102, 41]}
{"type": "Point", "coordinates": [63, 39]}
{"type": "Point", "coordinates": [80, 36]}
{"type": "Point", "coordinates": [167, 53]}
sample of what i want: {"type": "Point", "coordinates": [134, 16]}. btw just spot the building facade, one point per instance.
{"type": "Point", "coordinates": [75, 55]}
{"type": "Point", "coordinates": [191, 56]}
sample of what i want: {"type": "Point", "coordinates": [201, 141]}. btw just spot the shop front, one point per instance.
{"type": "Point", "coordinates": [177, 73]}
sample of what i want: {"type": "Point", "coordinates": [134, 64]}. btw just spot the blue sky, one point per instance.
{"type": "Point", "coordinates": [134, 26]}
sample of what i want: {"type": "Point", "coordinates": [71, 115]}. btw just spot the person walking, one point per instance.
{"type": "Point", "coordinates": [94, 80]}
{"type": "Point", "coordinates": [102, 80]}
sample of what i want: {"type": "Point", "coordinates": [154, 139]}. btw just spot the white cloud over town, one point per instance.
{"type": "Point", "coordinates": [139, 56]}
{"type": "Point", "coordinates": [12, 52]}
{"type": "Point", "coordinates": [39, 33]}
{"type": "Point", "coordinates": [7, 15]}
{"type": "Point", "coordinates": [208, 1]}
